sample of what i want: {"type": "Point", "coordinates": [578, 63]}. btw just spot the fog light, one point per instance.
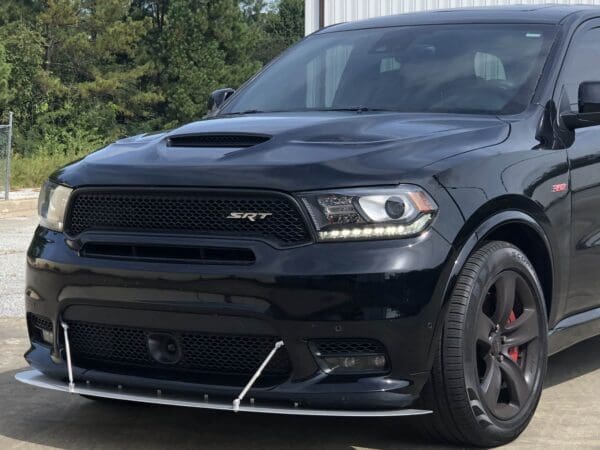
{"type": "Point", "coordinates": [350, 356]}
{"type": "Point", "coordinates": [47, 336]}
{"type": "Point", "coordinates": [354, 364]}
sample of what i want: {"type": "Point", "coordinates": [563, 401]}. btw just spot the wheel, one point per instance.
{"type": "Point", "coordinates": [491, 355]}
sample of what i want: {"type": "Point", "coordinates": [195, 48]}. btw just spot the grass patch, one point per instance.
{"type": "Point", "coordinates": [32, 165]}
{"type": "Point", "coordinates": [32, 171]}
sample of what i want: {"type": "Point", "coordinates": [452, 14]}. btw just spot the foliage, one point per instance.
{"type": "Point", "coordinates": [283, 27]}
{"type": "Point", "coordinates": [5, 69]}
{"type": "Point", "coordinates": [276, 27]}
{"type": "Point", "coordinates": [32, 171]}
{"type": "Point", "coordinates": [205, 45]}
{"type": "Point", "coordinates": [79, 73]}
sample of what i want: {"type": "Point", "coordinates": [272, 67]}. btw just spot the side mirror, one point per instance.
{"type": "Point", "coordinates": [217, 98]}
{"type": "Point", "coordinates": [589, 107]}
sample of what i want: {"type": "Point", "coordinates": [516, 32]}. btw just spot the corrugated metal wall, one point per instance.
{"type": "Point", "coordinates": [336, 11]}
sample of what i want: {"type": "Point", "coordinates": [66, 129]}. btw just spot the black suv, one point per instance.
{"type": "Point", "coordinates": [399, 216]}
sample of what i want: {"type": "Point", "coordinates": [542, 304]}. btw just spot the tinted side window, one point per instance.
{"type": "Point", "coordinates": [582, 64]}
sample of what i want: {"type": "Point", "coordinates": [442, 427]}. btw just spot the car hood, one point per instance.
{"type": "Point", "coordinates": [304, 151]}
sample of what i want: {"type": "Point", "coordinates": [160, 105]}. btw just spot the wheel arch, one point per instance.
{"type": "Point", "coordinates": [519, 227]}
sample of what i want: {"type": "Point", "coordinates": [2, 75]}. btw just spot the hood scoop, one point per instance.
{"type": "Point", "coordinates": [216, 140]}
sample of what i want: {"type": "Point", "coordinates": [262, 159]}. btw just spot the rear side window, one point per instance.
{"type": "Point", "coordinates": [581, 64]}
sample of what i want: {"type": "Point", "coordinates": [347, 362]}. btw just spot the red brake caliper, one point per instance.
{"type": "Point", "coordinates": [513, 352]}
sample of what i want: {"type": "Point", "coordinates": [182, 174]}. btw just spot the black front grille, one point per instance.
{"type": "Point", "coordinates": [96, 345]}
{"type": "Point", "coordinates": [331, 347]}
{"type": "Point", "coordinates": [276, 218]}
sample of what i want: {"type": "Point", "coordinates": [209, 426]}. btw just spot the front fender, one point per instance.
{"type": "Point", "coordinates": [467, 243]}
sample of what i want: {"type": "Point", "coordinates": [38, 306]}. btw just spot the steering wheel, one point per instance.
{"type": "Point", "coordinates": [484, 95]}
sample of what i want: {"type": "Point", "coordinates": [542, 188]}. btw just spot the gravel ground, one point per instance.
{"type": "Point", "coordinates": [15, 235]}
{"type": "Point", "coordinates": [21, 194]}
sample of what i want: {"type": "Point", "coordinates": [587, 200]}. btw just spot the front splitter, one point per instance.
{"type": "Point", "coordinates": [158, 397]}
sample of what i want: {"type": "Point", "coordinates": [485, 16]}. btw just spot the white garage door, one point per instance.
{"type": "Point", "coordinates": [329, 12]}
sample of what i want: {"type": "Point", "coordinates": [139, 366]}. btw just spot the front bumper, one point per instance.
{"type": "Point", "coordinates": [382, 290]}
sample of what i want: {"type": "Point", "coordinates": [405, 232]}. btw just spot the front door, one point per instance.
{"type": "Point", "coordinates": [583, 64]}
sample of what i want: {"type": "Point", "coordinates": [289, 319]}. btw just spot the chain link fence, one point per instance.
{"type": "Point", "coordinates": [5, 156]}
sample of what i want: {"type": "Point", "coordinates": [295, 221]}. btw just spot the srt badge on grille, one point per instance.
{"type": "Point", "coordinates": [251, 216]}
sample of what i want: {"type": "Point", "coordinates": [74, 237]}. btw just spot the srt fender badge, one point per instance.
{"type": "Point", "coordinates": [561, 187]}
{"type": "Point", "coordinates": [251, 216]}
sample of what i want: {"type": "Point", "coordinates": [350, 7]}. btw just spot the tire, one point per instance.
{"type": "Point", "coordinates": [490, 358]}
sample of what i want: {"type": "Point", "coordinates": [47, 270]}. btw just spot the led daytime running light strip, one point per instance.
{"type": "Point", "coordinates": [376, 231]}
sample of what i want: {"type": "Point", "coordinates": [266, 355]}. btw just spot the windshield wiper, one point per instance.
{"type": "Point", "coordinates": [358, 109]}
{"type": "Point", "coordinates": [239, 113]}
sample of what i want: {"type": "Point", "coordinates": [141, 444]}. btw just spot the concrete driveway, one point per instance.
{"type": "Point", "coordinates": [568, 415]}
{"type": "Point", "coordinates": [15, 234]}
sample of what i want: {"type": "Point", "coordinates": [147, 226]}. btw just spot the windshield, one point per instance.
{"type": "Point", "coordinates": [471, 69]}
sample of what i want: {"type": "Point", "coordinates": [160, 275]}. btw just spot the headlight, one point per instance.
{"type": "Point", "coordinates": [52, 205]}
{"type": "Point", "coordinates": [377, 213]}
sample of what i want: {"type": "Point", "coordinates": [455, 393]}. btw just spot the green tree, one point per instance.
{"type": "Point", "coordinates": [117, 70]}
{"type": "Point", "coordinates": [254, 9]}
{"type": "Point", "coordinates": [281, 27]}
{"type": "Point", "coordinates": [4, 79]}
{"type": "Point", "coordinates": [80, 73]}
{"type": "Point", "coordinates": [92, 52]}
{"type": "Point", "coordinates": [29, 85]}
{"type": "Point", "coordinates": [12, 11]}
{"type": "Point", "coordinates": [204, 46]}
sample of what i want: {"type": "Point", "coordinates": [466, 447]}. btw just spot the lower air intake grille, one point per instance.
{"type": "Point", "coordinates": [331, 347]}
{"type": "Point", "coordinates": [36, 324]}
{"type": "Point", "coordinates": [93, 345]}
{"type": "Point", "coordinates": [40, 322]}
{"type": "Point", "coordinates": [273, 217]}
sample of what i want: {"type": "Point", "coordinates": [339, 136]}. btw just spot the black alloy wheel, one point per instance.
{"type": "Point", "coordinates": [491, 354]}
{"type": "Point", "coordinates": [507, 344]}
